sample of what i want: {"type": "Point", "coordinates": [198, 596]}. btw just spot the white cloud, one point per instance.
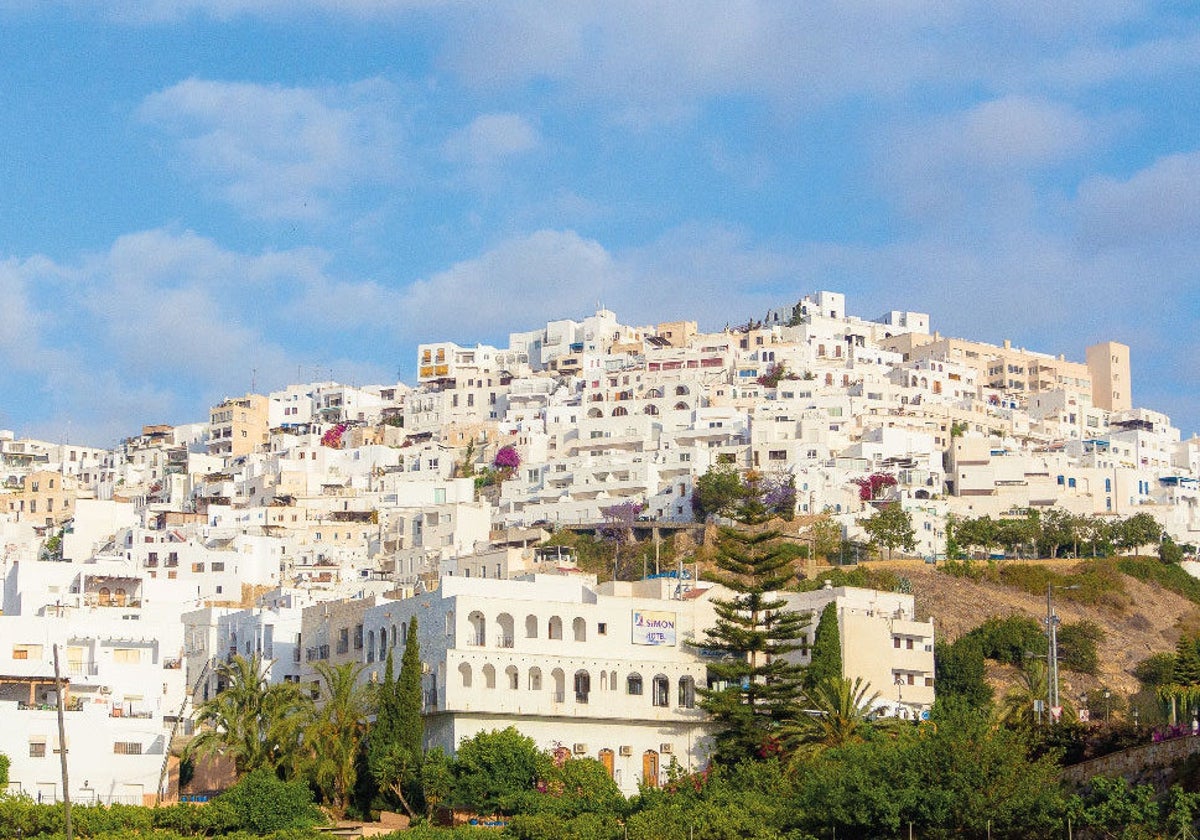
{"type": "Point", "coordinates": [491, 138]}
{"type": "Point", "coordinates": [276, 152]}
{"type": "Point", "coordinates": [1158, 204]}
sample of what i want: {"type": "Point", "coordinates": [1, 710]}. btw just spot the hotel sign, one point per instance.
{"type": "Point", "coordinates": [653, 628]}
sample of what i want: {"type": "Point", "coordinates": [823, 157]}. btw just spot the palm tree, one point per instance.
{"type": "Point", "coordinates": [251, 721]}
{"type": "Point", "coordinates": [335, 730]}
{"type": "Point", "coordinates": [1017, 708]}
{"type": "Point", "coordinates": [838, 713]}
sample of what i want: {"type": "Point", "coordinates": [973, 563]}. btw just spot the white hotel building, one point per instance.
{"type": "Point", "coordinates": [602, 671]}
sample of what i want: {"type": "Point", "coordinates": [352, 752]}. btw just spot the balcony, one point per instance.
{"type": "Point", "coordinates": [505, 642]}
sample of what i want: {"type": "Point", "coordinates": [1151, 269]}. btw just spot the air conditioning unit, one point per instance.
{"type": "Point", "coordinates": [626, 750]}
{"type": "Point", "coordinates": [579, 749]}
{"type": "Point", "coordinates": [665, 749]}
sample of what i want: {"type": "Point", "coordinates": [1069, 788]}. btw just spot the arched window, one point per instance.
{"type": "Point", "coordinates": [535, 679]}
{"type": "Point", "coordinates": [633, 684]}
{"type": "Point", "coordinates": [583, 686]}
{"type": "Point", "coordinates": [560, 684]}
{"type": "Point", "coordinates": [514, 677]}
{"type": "Point", "coordinates": [531, 623]}
{"type": "Point", "coordinates": [652, 410]}
{"type": "Point", "coordinates": [478, 628]}
{"type": "Point", "coordinates": [662, 691]}
{"type": "Point", "coordinates": [465, 671]}
{"type": "Point", "coordinates": [489, 676]}
{"type": "Point", "coordinates": [687, 693]}
{"type": "Point", "coordinates": [593, 413]}
{"type": "Point", "coordinates": [119, 597]}
{"type": "Point", "coordinates": [681, 406]}
{"type": "Point", "coordinates": [370, 645]}
{"type": "Point", "coordinates": [104, 599]}
{"type": "Point", "coordinates": [580, 628]}
{"type": "Point", "coordinates": [681, 390]}
{"type": "Point", "coordinates": [620, 411]}
{"type": "Point", "coordinates": [555, 629]}
{"type": "Point", "coordinates": [504, 622]}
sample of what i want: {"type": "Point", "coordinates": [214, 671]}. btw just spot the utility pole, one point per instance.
{"type": "Point", "coordinates": [1052, 652]}
{"type": "Point", "coordinates": [62, 748]}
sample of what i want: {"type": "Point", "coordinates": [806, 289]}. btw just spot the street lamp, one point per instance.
{"type": "Point", "coordinates": [899, 694]}
{"type": "Point", "coordinates": [1107, 706]}
{"type": "Point", "coordinates": [1052, 622]}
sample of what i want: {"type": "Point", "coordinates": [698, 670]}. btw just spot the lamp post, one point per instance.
{"type": "Point", "coordinates": [1107, 706]}
{"type": "Point", "coordinates": [1052, 622]}
{"type": "Point", "coordinates": [899, 694]}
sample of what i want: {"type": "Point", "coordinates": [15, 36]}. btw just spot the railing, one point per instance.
{"type": "Point", "coordinates": [82, 669]}
{"type": "Point", "coordinates": [476, 640]}
{"type": "Point", "coordinates": [172, 664]}
{"type": "Point", "coordinates": [505, 642]}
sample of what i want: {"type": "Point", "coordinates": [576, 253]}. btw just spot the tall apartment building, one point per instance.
{"type": "Point", "coordinates": [882, 643]}
{"type": "Point", "coordinates": [239, 426]}
{"type": "Point", "coordinates": [1112, 384]}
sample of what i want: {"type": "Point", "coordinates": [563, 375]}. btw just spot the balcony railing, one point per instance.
{"type": "Point", "coordinates": [505, 641]}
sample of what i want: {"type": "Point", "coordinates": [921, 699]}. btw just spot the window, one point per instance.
{"type": "Point", "coordinates": [662, 691]}
{"type": "Point", "coordinates": [343, 643]}
{"type": "Point", "coordinates": [583, 686]}
{"type": "Point", "coordinates": [687, 692]}
{"type": "Point", "coordinates": [37, 749]}
{"type": "Point", "coordinates": [896, 642]}
{"type": "Point", "coordinates": [633, 684]}
{"type": "Point", "coordinates": [127, 748]}
{"type": "Point", "coordinates": [602, 629]}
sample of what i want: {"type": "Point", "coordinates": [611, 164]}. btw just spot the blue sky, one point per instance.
{"type": "Point", "coordinates": [201, 195]}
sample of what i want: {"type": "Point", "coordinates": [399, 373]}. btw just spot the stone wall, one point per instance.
{"type": "Point", "coordinates": [1158, 764]}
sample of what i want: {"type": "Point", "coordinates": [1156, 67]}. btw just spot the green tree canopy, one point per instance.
{"type": "Point", "coordinates": [890, 527]}
{"type": "Point", "coordinates": [959, 672]}
{"type": "Point", "coordinates": [497, 771]}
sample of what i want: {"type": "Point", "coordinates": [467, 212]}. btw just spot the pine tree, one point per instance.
{"type": "Point", "coordinates": [753, 687]}
{"type": "Point", "coordinates": [826, 662]}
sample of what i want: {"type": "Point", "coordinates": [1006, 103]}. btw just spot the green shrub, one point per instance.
{"type": "Point", "coordinates": [263, 803]}
{"type": "Point", "coordinates": [1155, 670]}
{"type": "Point", "coordinates": [1077, 646]}
{"type": "Point", "coordinates": [1009, 639]}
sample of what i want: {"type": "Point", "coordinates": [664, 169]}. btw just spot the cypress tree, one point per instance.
{"type": "Point", "coordinates": [395, 751]}
{"type": "Point", "coordinates": [410, 725]}
{"type": "Point", "coordinates": [826, 662]}
{"type": "Point", "coordinates": [754, 687]}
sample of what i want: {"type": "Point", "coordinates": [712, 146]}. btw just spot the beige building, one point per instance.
{"type": "Point", "coordinates": [46, 498]}
{"type": "Point", "coordinates": [1005, 368]}
{"type": "Point", "coordinates": [238, 426]}
{"type": "Point", "coordinates": [1112, 382]}
{"type": "Point", "coordinates": [882, 643]}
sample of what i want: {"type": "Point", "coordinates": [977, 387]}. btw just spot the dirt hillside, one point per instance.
{"type": "Point", "coordinates": [1152, 624]}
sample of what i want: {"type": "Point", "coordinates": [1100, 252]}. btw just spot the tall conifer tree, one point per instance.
{"type": "Point", "coordinates": [753, 686]}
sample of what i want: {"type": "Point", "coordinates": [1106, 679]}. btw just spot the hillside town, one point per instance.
{"type": "Point", "coordinates": [314, 524]}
